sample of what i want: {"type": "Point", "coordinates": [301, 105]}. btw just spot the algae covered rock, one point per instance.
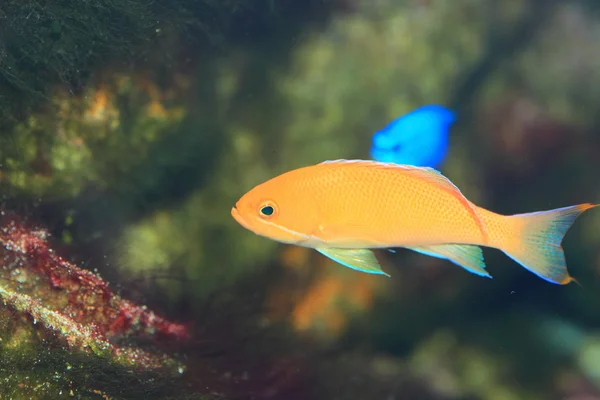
{"type": "Point", "coordinates": [63, 331]}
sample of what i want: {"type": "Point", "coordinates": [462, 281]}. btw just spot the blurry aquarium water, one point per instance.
{"type": "Point", "coordinates": [129, 130]}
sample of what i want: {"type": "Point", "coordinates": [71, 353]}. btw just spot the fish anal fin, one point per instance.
{"type": "Point", "coordinates": [363, 260]}
{"type": "Point", "coordinates": [467, 256]}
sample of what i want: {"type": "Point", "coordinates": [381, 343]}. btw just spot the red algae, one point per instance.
{"type": "Point", "coordinates": [74, 304]}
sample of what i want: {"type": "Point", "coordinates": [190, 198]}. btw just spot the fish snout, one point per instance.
{"type": "Point", "coordinates": [235, 213]}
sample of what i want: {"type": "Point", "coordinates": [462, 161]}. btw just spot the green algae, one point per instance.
{"type": "Point", "coordinates": [90, 136]}
{"type": "Point", "coordinates": [44, 45]}
{"type": "Point", "coordinates": [34, 363]}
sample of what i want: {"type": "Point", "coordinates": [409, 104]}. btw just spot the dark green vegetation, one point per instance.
{"type": "Point", "coordinates": [58, 42]}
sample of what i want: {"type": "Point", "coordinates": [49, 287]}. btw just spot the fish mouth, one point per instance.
{"type": "Point", "coordinates": [238, 217]}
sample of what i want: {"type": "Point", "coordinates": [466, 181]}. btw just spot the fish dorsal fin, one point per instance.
{"type": "Point", "coordinates": [426, 173]}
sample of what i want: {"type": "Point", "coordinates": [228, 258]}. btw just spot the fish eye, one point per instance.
{"type": "Point", "coordinates": [267, 210]}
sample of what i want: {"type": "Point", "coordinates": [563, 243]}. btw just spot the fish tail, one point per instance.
{"type": "Point", "coordinates": [537, 245]}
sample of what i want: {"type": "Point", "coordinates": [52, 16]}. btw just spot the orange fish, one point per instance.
{"type": "Point", "coordinates": [345, 208]}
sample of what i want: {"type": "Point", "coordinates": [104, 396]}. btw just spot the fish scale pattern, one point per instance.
{"type": "Point", "coordinates": [391, 204]}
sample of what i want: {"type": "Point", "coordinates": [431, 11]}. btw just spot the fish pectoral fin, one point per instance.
{"type": "Point", "coordinates": [363, 260]}
{"type": "Point", "coordinates": [468, 256]}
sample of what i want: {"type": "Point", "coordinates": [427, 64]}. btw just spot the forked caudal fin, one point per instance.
{"type": "Point", "coordinates": [538, 246]}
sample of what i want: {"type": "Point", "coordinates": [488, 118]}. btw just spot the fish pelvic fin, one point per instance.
{"type": "Point", "coordinates": [363, 260]}
{"type": "Point", "coordinates": [538, 248]}
{"type": "Point", "coordinates": [467, 256]}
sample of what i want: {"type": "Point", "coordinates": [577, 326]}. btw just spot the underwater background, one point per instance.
{"type": "Point", "coordinates": [128, 130]}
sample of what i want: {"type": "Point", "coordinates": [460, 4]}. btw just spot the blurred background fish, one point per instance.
{"type": "Point", "coordinates": [418, 138]}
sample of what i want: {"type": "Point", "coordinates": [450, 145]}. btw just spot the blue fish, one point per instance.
{"type": "Point", "coordinates": [419, 138]}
